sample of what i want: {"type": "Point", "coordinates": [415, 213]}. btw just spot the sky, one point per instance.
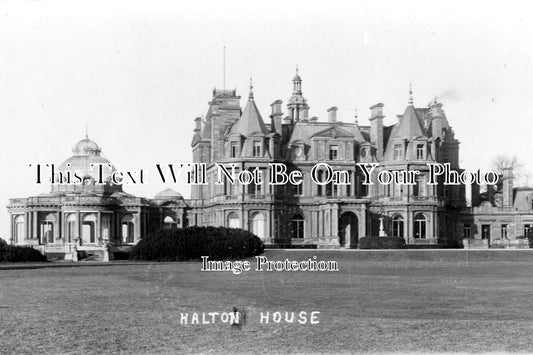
{"type": "Point", "coordinates": [136, 74]}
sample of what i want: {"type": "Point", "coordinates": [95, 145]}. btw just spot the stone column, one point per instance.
{"type": "Point", "coordinates": [98, 225]}
{"type": "Point", "coordinates": [35, 224]}
{"type": "Point", "coordinates": [335, 224]}
{"type": "Point", "coordinates": [78, 227]}
{"type": "Point", "coordinates": [137, 227]}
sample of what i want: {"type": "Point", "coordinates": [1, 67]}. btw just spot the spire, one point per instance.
{"type": "Point", "coordinates": [86, 131]}
{"type": "Point", "coordinates": [410, 102]}
{"type": "Point", "coordinates": [251, 94]}
{"type": "Point", "coordinates": [356, 121]}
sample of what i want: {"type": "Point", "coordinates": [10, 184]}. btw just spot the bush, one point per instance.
{"type": "Point", "coordinates": [194, 242]}
{"type": "Point", "coordinates": [530, 237]}
{"type": "Point", "coordinates": [381, 243]}
{"type": "Point", "coordinates": [13, 253]}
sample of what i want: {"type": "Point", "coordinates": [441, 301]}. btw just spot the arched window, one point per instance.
{"type": "Point", "coordinates": [88, 229]}
{"type": "Point", "coordinates": [397, 226]}
{"type": "Point", "coordinates": [297, 224]}
{"type": "Point", "coordinates": [127, 229]}
{"type": "Point", "coordinates": [169, 223]}
{"type": "Point", "coordinates": [233, 220]}
{"type": "Point", "coordinates": [420, 226]}
{"type": "Point", "coordinates": [257, 224]}
{"type": "Point", "coordinates": [71, 228]}
{"type": "Point", "coordinates": [47, 228]}
{"type": "Point", "coordinates": [19, 234]}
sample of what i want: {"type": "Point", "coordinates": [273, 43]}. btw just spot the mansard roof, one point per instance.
{"type": "Point", "coordinates": [409, 125]}
{"type": "Point", "coordinates": [250, 123]}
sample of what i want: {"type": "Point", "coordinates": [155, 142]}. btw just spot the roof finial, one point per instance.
{"type": "Point", "coordinates": [410, 94]}
{"type": "Point", "coordinates": [296, 69]}
{"type": "Point", "coordinates": [356, 121]}
{"type": "Point", "coordinates": [251, 94]}
{"type": "Point", "coordinates": [86, 131]}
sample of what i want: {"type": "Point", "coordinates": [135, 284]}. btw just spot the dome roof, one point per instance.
{"type": "Point", "coordinates": [297, 78]}
{"type": "Point", "coordinates": [87, 153]}
{"type": "Point", "coordinates": [86, 147]}
{"type": "Point", "coordinates": [168, 194]}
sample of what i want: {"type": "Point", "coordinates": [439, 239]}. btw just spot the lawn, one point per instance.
{"type": "Point", "coordinates": [379, 301]}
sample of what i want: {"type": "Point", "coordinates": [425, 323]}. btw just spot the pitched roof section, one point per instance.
{"type": "Point", "coordinates": [250, 122]}
{"type": "Point", "coordinates": [409, 126]}
{"type": "Point", "coordinates": [306, 130]}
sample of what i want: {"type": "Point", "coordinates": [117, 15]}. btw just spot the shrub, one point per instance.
{"type": "Point", "coordinates": [381, 243]}
{"type": "Point", "coordinates": [193, 242]}
{"type": "Point", "coordinates": [530, 237]}
{"type": "Point", "coordinates": [14, 253]}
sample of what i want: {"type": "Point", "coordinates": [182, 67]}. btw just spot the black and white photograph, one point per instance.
{"type": "Point", "coordinates": [276, 177]}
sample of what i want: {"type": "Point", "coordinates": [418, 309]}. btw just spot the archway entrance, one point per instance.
{"type": "Point", "coordinates": [348, 230]}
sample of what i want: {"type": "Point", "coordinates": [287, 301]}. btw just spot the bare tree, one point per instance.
{"type": "Point", "coordinates": [501, 162]}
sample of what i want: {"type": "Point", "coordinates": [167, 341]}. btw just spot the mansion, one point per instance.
{"type": "Point", "coordinates": [102, 220]}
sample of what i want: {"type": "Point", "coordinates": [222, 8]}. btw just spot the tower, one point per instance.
{"type": "Point", "coordinates": [297, 103]}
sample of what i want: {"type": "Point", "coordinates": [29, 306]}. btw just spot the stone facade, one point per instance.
{"type": "Point", "coordinates": [90, 219]}
{"type": "Point", "coordinates": [102, 220]}
{"type": "Point", "coordinates": [333, 215]}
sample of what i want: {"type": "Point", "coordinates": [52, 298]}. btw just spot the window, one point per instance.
{"type": "Point", "coordinates": [466, 231]}
{"type": "Point", "coordinates": [397, 226]}
{"type": "Point", "coordinates": [419, 151]}
{"type": "Point", "coordinates": [503, 230]}
{"type": "Point", "coordinates": [18, 236]}
{"type": "Point", "coordinates": [257, 149]}
{"type": "Point", "coordinates": [331, 189]}
{"type": "Point", "coordinates": [418, 188]}
{"type": "Point", "coordinates": [47, 232]}
{"type": "Point", "coordinates": [71, 228]}
{"type": "Point", "coordinates": [258, 224]}
{"type": "Point", "coordinates": [386, 190]}
{"type": "Point", "coordinates": [234, 148]}
{"type": "Point", "coordinates": [299, 189]}
{"type": "Point", "coordinates": [106, 226]}
{"type": "Point", "coordinates": [233, 220]}
{"type": "Point", "coordinates": [363, 153]}
{"type": "Point", "coordinates": [297, 227]}
{"type": "Point", "coordinates": [528, 230]}
{"type": "Point", "coordinates": [169, 223]}
{"type": "Point", "coordinates": [253, 188]}
{"type": "Point", "coordinates": [420, 226]}
{"type": "Point", "coordinates": [127, 229]}
{"type": "Point", "coordinates": [276, 226]}
{"type": "Point", "coordinates": [333, 152]}
{"type": "Point", "coordinates": [485, 231]}
{"type": "Point", "coordinates": [398, 150]}
{"type": "Point", "coordinates": [88, 229]}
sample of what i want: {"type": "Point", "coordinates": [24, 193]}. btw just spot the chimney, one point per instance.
{"type": "Point", "coordinates": [507, 187]}
{"type": "Point", "coordinates": [198, 124]}
{"type": "Point", "coordinates": [376, 128]}
{"type": "Point", "coordinates": [332, 114]}
{"type": "Point", "coordinates": [437, 120]}
{"type": "Point", "coordinates": [276, 116]}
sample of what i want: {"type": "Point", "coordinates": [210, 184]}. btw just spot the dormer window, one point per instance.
{"type": "Point", "coordinates": [419, 151]}
{"type": "Point", "coordinates": [398, 152]}
{"type": "Point", "coordinates": [257, 149]}
{"type": "Point", "coordinates": [333, 152]}
{"type": "Point", "coordinates": [233, 149]}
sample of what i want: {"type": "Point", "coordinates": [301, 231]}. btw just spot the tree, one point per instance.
{"type": "Point", "coordinates": [501, 162]}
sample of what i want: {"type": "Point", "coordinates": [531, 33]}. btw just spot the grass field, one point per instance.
{"type": "Point", "coordinates": [381, 301]}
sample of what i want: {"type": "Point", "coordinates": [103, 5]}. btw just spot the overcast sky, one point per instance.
{"type": "Point", "coordinates": [139, 73]}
